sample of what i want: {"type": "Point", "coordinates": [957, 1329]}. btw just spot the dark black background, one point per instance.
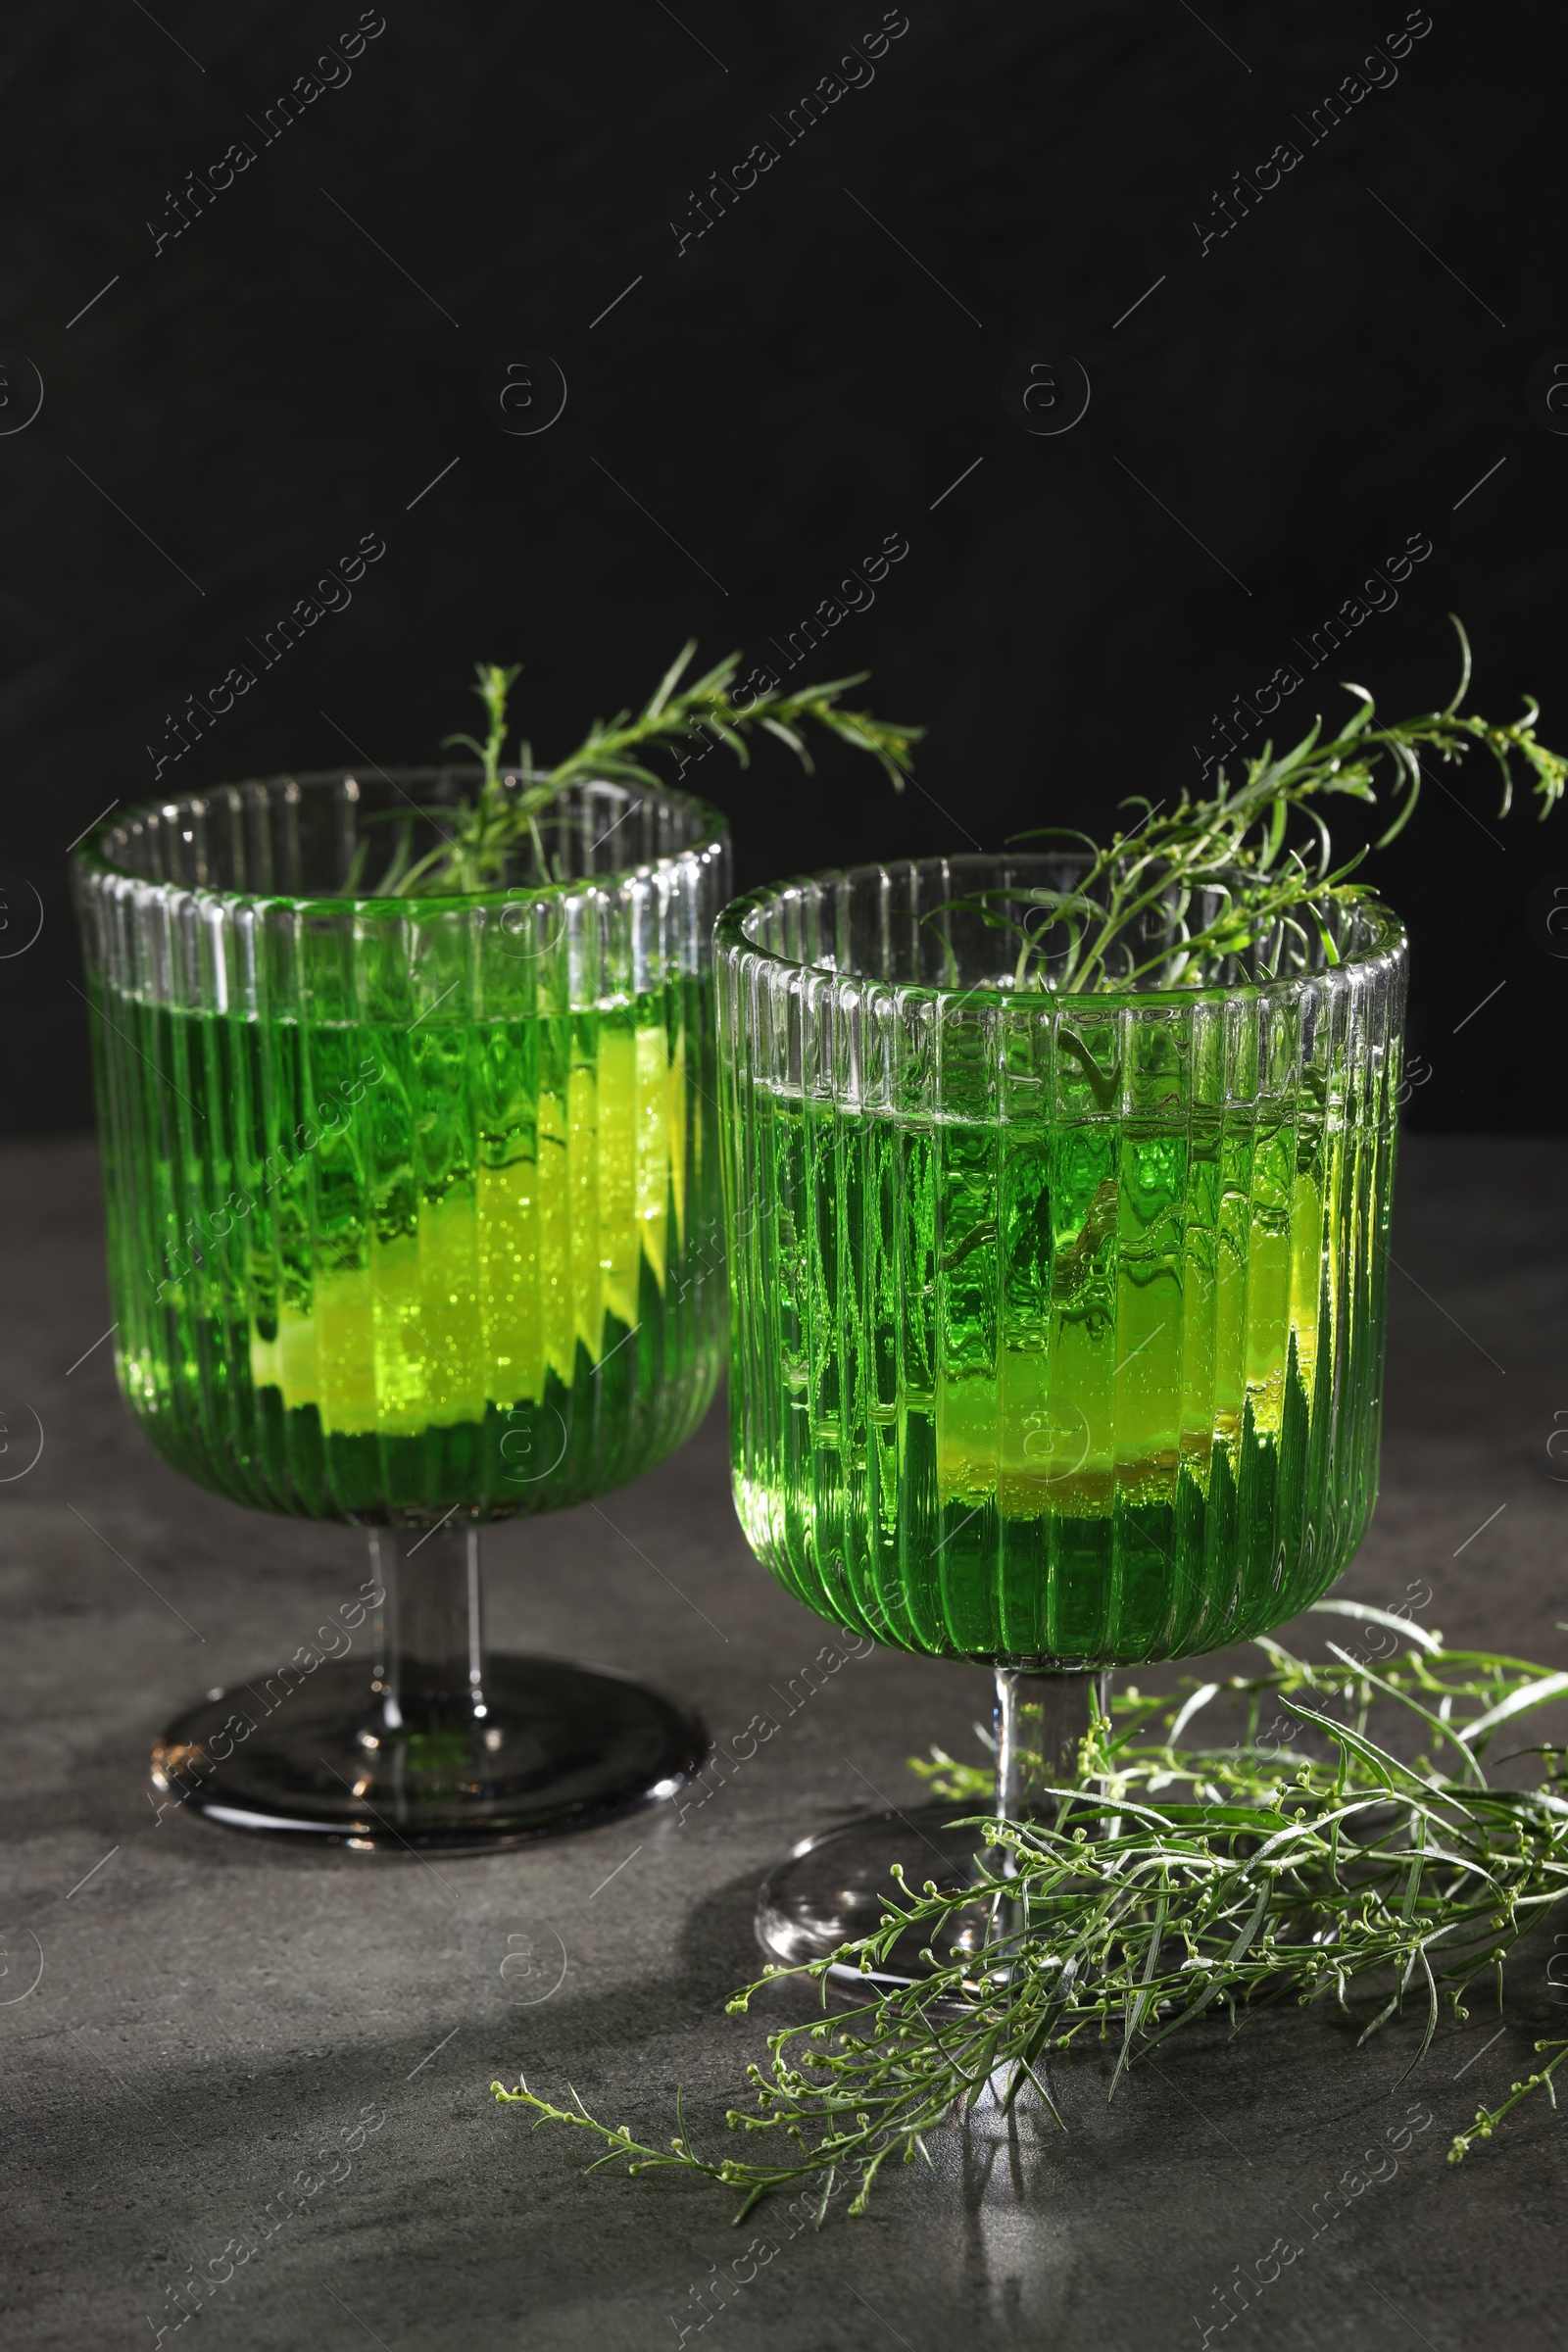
{"type": "Point", "coordinates": [235, 411]}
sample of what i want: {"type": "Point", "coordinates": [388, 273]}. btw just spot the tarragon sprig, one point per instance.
{"type": "Point", "coordinates": [484, 835]}
{"type": "Point", "coordinates": [1127, 920]}
{"type": "Point", "coordinates": [1310, 1860]}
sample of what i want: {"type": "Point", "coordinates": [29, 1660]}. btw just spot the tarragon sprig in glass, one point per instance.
{"type": "Point", "coordinates": [1127, 918]}
{"type": "Point", "coordinates": [1308, 1861]}
{"type": "Point", "coordinates": [484, 835]}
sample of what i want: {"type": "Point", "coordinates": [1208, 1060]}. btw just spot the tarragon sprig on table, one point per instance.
{"type": "Point", "coordinates": [483, 835]}
{"type": "Point", "coordinates": [1308, 1861]}
{"type": "Point", "coordinates": [1124, 921]}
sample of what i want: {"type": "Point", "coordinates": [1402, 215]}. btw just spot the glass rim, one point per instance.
{"type": "Point", "coordinates": [97, 868]}
{"type": "Point", "coordinates": [1387, 948]}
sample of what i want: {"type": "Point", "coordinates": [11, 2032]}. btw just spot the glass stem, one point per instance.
{"type": "Point", "coordinates": [1041, 1719]}
{"type": "Point", "coordinates": [1040, 1724]}
{"type": "Point", "coordinates": [430, 1644]}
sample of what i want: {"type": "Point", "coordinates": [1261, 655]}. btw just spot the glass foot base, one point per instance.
{"type": "Point", "coordinates": [834, 1886]}
{"type": "Point", "coordinates": [553, 1747]}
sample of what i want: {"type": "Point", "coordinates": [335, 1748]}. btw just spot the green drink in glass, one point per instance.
{"type": "Point", "coordinates": [413, 1223]}
{"type": "Point", "coordinates": [461, 1278]}
{"type": "Point", "coordinates": [1056, 1321]}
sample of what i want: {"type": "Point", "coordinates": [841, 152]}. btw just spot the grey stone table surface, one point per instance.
{"type": "Point", "coordinates": [212, 2011]}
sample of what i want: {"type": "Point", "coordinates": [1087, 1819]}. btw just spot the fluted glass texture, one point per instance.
{"type": "Point", "coordinates": [1057, 1322]}
{"type": "Point", "coordinates": [413, 1202]}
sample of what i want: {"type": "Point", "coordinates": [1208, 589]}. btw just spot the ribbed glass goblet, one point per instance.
{"type": "Point", "coordinates": [412, 1222]}
{"type": "Point", "coordinates": [1056, 1321]}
